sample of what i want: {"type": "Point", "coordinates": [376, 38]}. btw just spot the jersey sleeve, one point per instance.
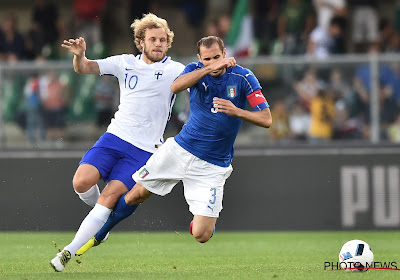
{"type": "Point", "coordinates": [191, 67]}
{"type": "Point", "coordinates": [179, 68]}
{"type": "Point", "coordinates": [253, 92]}
{"type": "Point", "coordinates": [110, 65]}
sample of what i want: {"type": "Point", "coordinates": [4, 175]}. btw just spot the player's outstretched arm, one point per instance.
{"type": "Point", "coordinates": [261, 118]}
{"type": "Point", "coordinates": [82, 65]}
{"type": "Point", "coordinates": [190, 79]}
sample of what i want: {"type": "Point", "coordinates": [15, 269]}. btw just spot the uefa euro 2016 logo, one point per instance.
{"type": "Point", "coordinates": [231, 92]}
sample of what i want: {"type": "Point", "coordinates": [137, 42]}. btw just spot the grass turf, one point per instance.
{"type": "Point", "coordinates": [172, 255]}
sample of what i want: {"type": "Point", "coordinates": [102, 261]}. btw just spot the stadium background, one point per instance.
{"type": "Point", "coordinates": [285, 177]}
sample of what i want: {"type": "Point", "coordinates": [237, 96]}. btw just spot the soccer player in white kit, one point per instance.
{"type": "Point", "coordinates": [135, 131]}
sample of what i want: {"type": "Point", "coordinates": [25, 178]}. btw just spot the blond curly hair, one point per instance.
{"type": "Point", "coordinates": [149, 21]}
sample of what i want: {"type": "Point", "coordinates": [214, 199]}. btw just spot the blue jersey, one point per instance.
{"type": "Point", "coordinates": [208, 134]}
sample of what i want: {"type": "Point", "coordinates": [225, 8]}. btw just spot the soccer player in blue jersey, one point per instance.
{"type": "Point", "coordinates": [200, 155]}
{"type": "Point", "coordinates": [135, 131]}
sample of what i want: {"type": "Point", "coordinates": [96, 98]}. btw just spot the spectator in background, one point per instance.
{"type": "Point", "coordinates": [389, 38]}
{"type": "Point", "coordinates": [365, 23]}
{"type": "Point", "coordinates": [195, 12]}
{"type": "Point", "coordinates": [219, 26]}
{"type": "Point", "coordinates": [212, 28]}
{"type": "Point", "coordinates": [322, 111]}
{"type": "Point", "coordinates": [307, 88]}
{"type": "Point", "coordinates": [11, 41]}
{"type": "Point", "coordinates": [344, 92]}
{"type": "Point", "coordinates": [346, 126]}
{"type": "Point", "coordinates": [224, 25]}
{"type": "Point", "coordinates": [45, 30]}
{"type": "Point", "coordinates": [395, 66]}
{"type": "Point", "coordinates": [88, 15]}
{"type": "Point", "coordinates": [280, 130]}
{"type": "Point", "coordinates": [397, 15]}
{"type": "Point", "coordinates": [394, 131]}
{"type": "Point", "coordinates": [34, 112]}
{"type": "Point", "coordinates": [362, 86]}
{"type": "Point", "coordinates": [53, 95]}
{"type": "Point", "coordinates": [327, 9]}
{"type": "Point", "coordinates": [266, 24]}
{"type": "Point", "coordinates": [295, 23]}
{"type": "Point", "coordinates": [299, 122]}
{"type": "Point", "coordinates": [323, 42]}
{"type": "Point", "coordinates": [104, 94]}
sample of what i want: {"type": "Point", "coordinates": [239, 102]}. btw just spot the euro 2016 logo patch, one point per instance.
{"type": "Point", "coordinates": [231, 92]}
{"type": "Point", "coordinates": [143, 173]}
{"type": "Point", "coordinates": [158, 74]}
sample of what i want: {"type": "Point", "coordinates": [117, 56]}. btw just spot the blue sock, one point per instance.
{"type": "Point", "coordinates": [120, 212]}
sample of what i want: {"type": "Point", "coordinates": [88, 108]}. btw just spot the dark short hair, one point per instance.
{"type": "Point", "coordinates": [209, 41]}
{"type": "Point", "coordinates": [339, 22]}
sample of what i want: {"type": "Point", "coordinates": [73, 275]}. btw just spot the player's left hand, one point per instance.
{"type": "Point", "coordinates": [225, 106]}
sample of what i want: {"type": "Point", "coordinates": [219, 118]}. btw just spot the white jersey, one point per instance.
{"type": "Point", "coordinates": [146, 98]}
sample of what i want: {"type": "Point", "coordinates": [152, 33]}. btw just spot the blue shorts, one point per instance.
{"type": "Point", "coordinates": [116, 159]}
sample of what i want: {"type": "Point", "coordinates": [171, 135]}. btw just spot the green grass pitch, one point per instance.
{"type": "Point", "coordinates": [174, 255]}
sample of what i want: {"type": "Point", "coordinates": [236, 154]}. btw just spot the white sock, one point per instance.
{"type": "Point", "coordinates": [89, 227]}
{"type": "Point", "coordinates": [91, 196]}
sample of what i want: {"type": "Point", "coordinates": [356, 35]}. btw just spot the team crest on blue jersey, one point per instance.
{"type": "Point", "coordinates": [231, 91]}
{"type": "Point", "coordinates": [158, 74]}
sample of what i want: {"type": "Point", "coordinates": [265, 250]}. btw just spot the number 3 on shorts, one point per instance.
{"type": "Point", "coordinates": [214, 193]}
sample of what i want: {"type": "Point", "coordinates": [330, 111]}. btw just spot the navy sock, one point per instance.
{"type": "Point", "coordinates": [120, 212]}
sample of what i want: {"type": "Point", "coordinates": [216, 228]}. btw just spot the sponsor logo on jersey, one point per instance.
{"type": "Point", "coordinates": [158, 74]}
{"type": "Point", "coordinates": [205, 86]}
{"type": "Point", "coordinates": [231, 91]}
{"type": "Point", "coordinates": [143, 173]}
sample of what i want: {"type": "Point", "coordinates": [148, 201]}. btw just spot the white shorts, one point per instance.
{"type": "Point", "coordinates": [365, 25]}
{"type": "Point", "coordinates": [203, 182]}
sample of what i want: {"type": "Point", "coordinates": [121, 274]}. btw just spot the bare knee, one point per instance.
{"type": "Point", "coordinates": [82, 184]}
{"type": "Point", "coordinates": [203, 228]}
{"type": "Point", "coordinates": [202, 236]}
{"type": "Point", "coordinates": [85, 177]}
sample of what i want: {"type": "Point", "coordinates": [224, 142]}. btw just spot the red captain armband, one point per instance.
{"type": "Point", "coordinates": [257, 100]}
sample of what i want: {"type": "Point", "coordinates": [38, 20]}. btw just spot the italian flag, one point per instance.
{"type": "Point", "coordinates": [240, 37]}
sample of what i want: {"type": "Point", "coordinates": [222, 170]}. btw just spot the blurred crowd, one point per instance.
{"type": "Point", "coordinates": [334, 103]}
{"type": "Point", "coordinates": [316, 27]}
{"type": "Point", "coordinates": [320, 105]}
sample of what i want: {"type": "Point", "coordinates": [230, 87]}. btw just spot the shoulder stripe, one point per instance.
{"type": "Point", "coordinates": [243, 78]}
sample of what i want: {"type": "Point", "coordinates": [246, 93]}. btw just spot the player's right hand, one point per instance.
{"type": "Point", "coordinates": [75, 46]}
{"type": "Point", "coordinates": [223, 63]}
